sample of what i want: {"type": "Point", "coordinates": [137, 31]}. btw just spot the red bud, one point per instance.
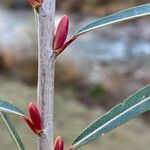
{"type": "Point", "coordinates": [35, 116]}
{"type": "Point", "coordinates": [35, 3]}
{"type": "Point", "coordinates": [61, 33]}
{"type": "Point", "coordinates": [59, 144]}
{"type": "Point", "coordinates": [36, 122]}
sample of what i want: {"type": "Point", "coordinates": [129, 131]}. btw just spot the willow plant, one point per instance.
{"type": "Point", "coordinates": [50, 45]}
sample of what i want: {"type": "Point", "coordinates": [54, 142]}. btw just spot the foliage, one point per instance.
{"type": "Point", "coordinates": [133, 106]}
{"type": "Point", "coordinates": [130, 108]}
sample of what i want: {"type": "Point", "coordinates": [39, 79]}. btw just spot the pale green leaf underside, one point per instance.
{"type": "Point", "coordinates": [10, 108]}
{"type": "Point", "coordinates": [136, 104]}
{"type": "Point", "coordinates": [127, 14]}
{"type": "Point", "coordinates": [12, 130]}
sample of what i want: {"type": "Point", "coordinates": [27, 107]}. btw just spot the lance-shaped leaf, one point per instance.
{"type": "Point", "coordinates": [127, 14]}
{"type": "Point", "coordinates": [136, 104]}
{"type": "Point", "coordinates": [10, 108]}
{"type": "Point", "coordinates": [12, 130]}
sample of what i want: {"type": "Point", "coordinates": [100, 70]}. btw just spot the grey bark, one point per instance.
{"type": "Point", "coordinates": [46, 69]}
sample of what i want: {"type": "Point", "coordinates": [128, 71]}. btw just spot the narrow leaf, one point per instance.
{"type": "Point", "coordinates": [127, 14]}
{"type": "Point", "coordinates": [136, 104]}
{"type": "Point", "coordinates": [12, 130]}
{"type": "Point", "coordinates": [10, 108]}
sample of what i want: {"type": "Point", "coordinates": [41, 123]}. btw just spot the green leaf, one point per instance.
{"type": "Point", "coordinates": [12, 130]}
{"type": "Point", "coordinates": [136, 104]}
{"type": "Point", "coordinates": [127, 14]}
{"type": "Point", "coordinates": [10, 108]}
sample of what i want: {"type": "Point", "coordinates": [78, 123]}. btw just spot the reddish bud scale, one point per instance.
{"type": "Point", "coordinates": [36, 122]}
{"type": "Point", "coordinates": [35, 116]}
{"type": "Point", "coordinates": [58, 51]}
{"type": "Point", "coordinates": [35, 3]}
{"type": "Point", "coordinates": [30, 125]}
{"type": "Point", "coordinates": [61, 33]}
{"type": "Point", "coordinates": [59, 144]}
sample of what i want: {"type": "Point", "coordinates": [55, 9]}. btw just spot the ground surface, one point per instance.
{"type": "Point", "coordinates": [71, 117]}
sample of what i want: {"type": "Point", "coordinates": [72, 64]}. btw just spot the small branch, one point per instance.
{"type": "Point", "coordinates": [45, 92]}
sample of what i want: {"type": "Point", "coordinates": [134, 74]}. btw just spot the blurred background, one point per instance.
{"type": "Point", "coordinates": [96, 72]}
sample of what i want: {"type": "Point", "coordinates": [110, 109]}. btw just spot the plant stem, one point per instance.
{"type": "Point", "coordinates": [46, 69]}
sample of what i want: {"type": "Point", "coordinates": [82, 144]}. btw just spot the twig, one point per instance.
{"type": "Point", "coordinates": [46, 69]}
